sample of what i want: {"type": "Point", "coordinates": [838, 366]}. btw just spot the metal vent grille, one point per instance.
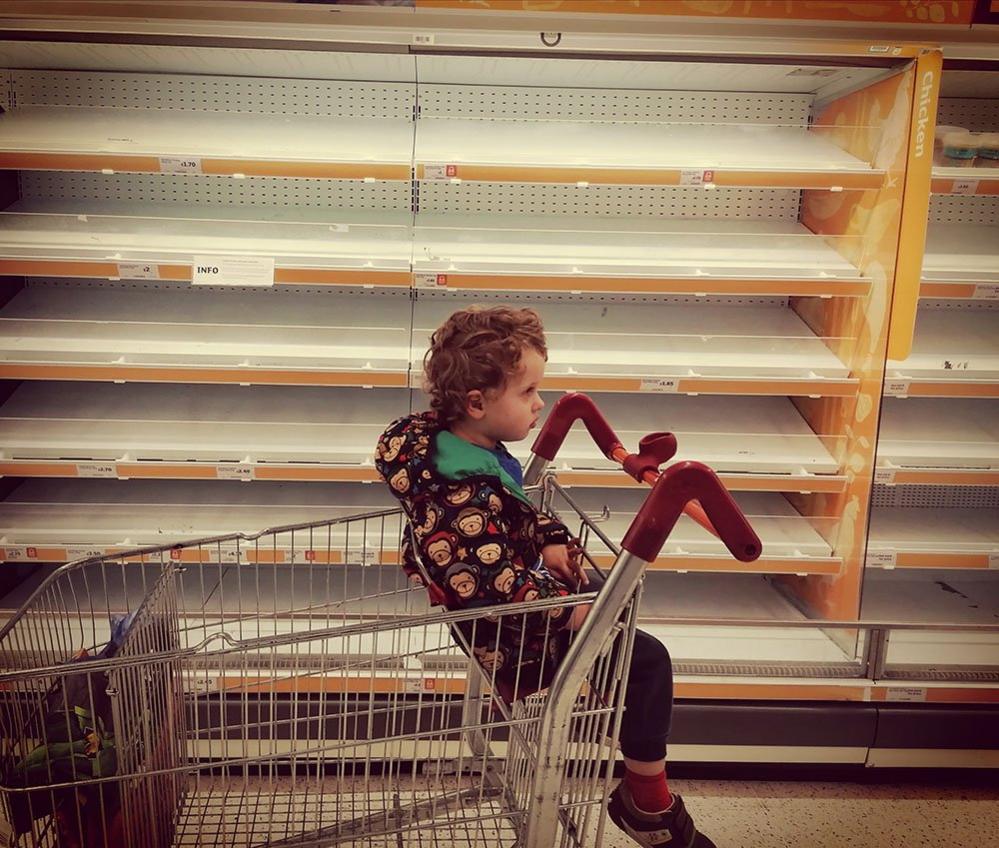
{"type": "Point", "coordinates": [521, 103]}
{"type": "Point", "coordinates": [959, 209]}
{"type": "Point", "coordinates": [973, 497]}
{"type": "Point", "coordinates": [610, 201]}
{"type": "Point", "coordinates": [710, 668]}
{"type": "Point", "coordinates": [975, 114]}
{"type": "Point", "coordinates": [204, 190]}
{"type": "Point", "coordinates": [178, 92]}
{"type": "Point", "coordinates": [969, 674]}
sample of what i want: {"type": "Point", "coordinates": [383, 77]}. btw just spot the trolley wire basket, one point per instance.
{"type": "Point", "coordinates": [288, 688]}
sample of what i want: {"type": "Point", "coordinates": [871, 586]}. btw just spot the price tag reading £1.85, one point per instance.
{"type": "Point", "coordinates": [667, 385]}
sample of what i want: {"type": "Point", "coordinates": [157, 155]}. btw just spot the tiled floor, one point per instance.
{"type": "Point", "coordinates": [751, 814]}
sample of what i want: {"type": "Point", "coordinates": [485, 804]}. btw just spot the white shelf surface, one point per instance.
{"type": "Point", "coordinates": [146, 423]}
{"type": "Point", "coordinates": [942, 531]}
{"type": "Point", "coordinates": [176, 233]}
{"type": "Point", "coordinates": [783, 531]}
{"type": "Point", "coordinates": [202, 329]}
{"type": "Point", "coordinates": [961, 253]}
{"type": "Point", "coordinates": [743, 435]}
{"type": "Point", "coordinates": [952, 345]}
{"type": "Point", "coordinates": [659, 341]}
{"type": "Point", "coordinates": [103, 513]}
{"type": "Point", "coordinates": [265, 424]}
{"type": "Point", "coordinates": [729, 596]}
{"type": "Point", "coordinates": [149, 132]}
{"type": "Point", "coordinates": [938, 598]}
{"type": "Point", "coordinates": [629, 146]}
{"type": "Point", "coordinates": [625, 247]}
{"type": "Point", "coordinates": [137, 513]}
{"type": "Point", "coordinates": [938, 433]}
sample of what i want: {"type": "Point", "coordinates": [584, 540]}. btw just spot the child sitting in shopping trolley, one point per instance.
{"type": "Point", "coordinates": [484, 543]}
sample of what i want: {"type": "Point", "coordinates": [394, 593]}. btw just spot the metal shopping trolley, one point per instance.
{"type": "Point", "coordinates": [286, 689]}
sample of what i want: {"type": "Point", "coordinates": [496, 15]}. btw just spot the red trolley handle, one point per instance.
{"type": "Point", "coordinates": [676, 487]}
{"type": "Point", "coordinates": [653, 450]}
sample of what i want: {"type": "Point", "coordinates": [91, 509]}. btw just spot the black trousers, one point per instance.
{"type": "Point", "coordinates": [648, 698]}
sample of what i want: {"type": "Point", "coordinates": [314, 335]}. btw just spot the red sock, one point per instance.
{"type": "Point", "coordinates": [649, 792]}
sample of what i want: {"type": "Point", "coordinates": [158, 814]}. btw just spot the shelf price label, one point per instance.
{"type": "Point", "coordinates": [96, 469]}
{"type": "Point", "coordinates": [429, 281]}
{"type": "Point", "coordinates": [180, 165]}
{"type": "Point", "coordinates": [986, 291]}
{"type": "Point", "coordinates": [905, 694]}
{"type": "Point", "coordinates": [440, 172]}
{"type": "Point", "coordinates": [965, 187]}
{"type": "Point", "coordinates": [881, 559]}
{"type": "Point", "coordinates": [885, 476]}
{"type": "Point", "coordinates": [696, 177]}
{"type": "Point", "coordinates": [138, 271]}
{"type": "Point", "coordinates": [897, 388]}
{"type": "Point", "coordinates": [993, 559]}
{"type": "Point", "coordinates": [78, 552]}
{"type": "Point", "coordinates": [15, 554]}
{"type": "Point", "coordinates": [234, 472]}
{"type": "Point", "coordinates": [364, 556]}
{"type": "Point", "coordinates": [232, 271]}
{"type": "Point", "coordinates": [669, 385]}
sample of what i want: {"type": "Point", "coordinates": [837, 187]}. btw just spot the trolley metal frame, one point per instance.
{"type": "Point", "coordinates": [237, 709]}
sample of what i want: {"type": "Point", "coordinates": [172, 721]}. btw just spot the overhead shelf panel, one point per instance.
{"type": "Point", "coordinates": [943, 441]}
{"type": "Point", "coordinates": [54, 429]}
{"type": "Point", "coordinates": [961, 261]}
{"type": "Point", "coordinates": [924, 537]}
{"type": "Point", "coordinates": [102, 239]}
{"type": "Point", "coordinates": [191, 142]}
{"type": "Point", "coordinates": [669, 349]}
{"type": "Point", "coordinates": [636, 154]}
{"type": "Point", "coordinates": [791, 543]}
{"type": "Point", "coordinates": [204, 336]}
{"type": "Point", "coordinates": [587, 254]}
{"type": "Point", "coordinates": [954, 354]}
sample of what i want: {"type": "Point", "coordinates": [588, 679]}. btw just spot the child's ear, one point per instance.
{"type": "Point", "coordinates": [475, 404]}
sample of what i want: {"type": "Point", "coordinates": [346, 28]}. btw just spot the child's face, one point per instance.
{"type": "Point", "coordinates": [508, 415]}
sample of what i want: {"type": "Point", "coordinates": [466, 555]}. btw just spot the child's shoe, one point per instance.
{"type": "Point", "coordinates": [674, 828]}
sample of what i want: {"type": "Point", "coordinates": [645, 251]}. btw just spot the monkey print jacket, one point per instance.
{"type": "Point", "coordinates": [480, 539]}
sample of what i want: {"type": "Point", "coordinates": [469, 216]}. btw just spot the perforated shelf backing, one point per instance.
{"type": "Point", "coordinates": [609, 201]}
{"type": "Point", "coordinates": [522, 103]}
{"type": "Point", "coordinates": [256, 292]}
{"type": "Point", "coordinates": [204, 190]}
{"type": "Point", "coordinates": [959, 305]}
{"type": "Point", "coordinates": [944, 497]}
{"type": "Point", "coordinates": [459, 295]}
{"type": "Point", "coordinates": [464, 295]}
{"type": "Point", "coordinates": [975, 114]}
{"type": "Point", "coordinates": [190, 92]}
{"type": "Point", "coordinates": [964, 209]}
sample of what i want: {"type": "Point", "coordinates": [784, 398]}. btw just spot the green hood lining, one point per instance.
{"type": "Point", "coordinates": [457, 459]}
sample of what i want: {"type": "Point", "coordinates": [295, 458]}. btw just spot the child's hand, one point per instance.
{"type": "Point", "coordinates": [565, 562]}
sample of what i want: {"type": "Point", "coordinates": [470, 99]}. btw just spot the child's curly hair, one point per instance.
{"type": "Point", "coordinates": [477, 348]}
